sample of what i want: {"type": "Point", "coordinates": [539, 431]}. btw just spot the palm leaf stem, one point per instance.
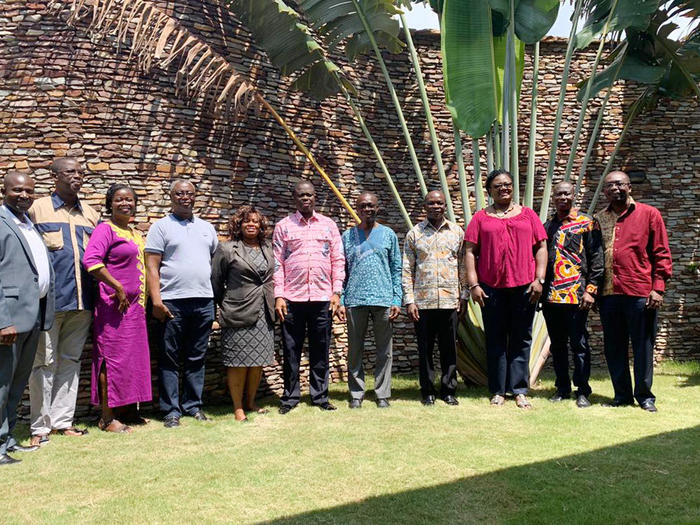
{"type": "Point", "coordinates": [587, 94]}
{"type": "Point", "coordinates": [478, 184]}
{"type": "Point", "coordinates": [546, 193]}
{"type": "Point", "coordinates": [513, 94]}
{"type": "Point", "coordinates": [462, 174]}
{"type": "Point", "coordinates": [397, 104]}
{"type": "Point", "coordinates": [530, 178]}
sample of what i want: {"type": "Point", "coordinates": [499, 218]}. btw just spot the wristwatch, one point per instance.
{"type": "Point", "coordinates": [541, 281]}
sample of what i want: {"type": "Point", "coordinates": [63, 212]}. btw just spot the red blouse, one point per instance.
{"type": "Point", "coordinates": [504, 247]}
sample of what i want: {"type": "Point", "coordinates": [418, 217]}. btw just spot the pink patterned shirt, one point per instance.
{"type": "Point", "coordinates": [309, 260]}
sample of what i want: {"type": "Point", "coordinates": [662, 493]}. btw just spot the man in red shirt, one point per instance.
{"type": "Point", "coordinates": [637, 265]}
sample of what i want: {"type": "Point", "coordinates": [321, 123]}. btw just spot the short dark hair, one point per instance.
{"type": "Point", "coordinates": [113, 189]}
{"type": "Point", "coordinates": [240, 215]}
{"type": "Point", "coordinates": [302, 183]}
{"type": "Point", "coordinates": [494, 174]}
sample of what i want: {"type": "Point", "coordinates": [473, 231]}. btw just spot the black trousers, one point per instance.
{"type": "Point", "coordinates": [440, 324]}
{"type": "Point", "coordinates": [508, 316]}
{"type": "Point", "coordinates": [566, 324]}
{"type": "Point", "coordinates": [312, 318]}
{"type": "Point", "coordinates": [626, 318]}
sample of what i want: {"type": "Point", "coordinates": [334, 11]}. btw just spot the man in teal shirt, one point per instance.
{"type": "Point", "coordinates": [372, 290]}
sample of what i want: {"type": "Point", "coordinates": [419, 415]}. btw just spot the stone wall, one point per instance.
{"type": "Point", "coordinates": [63, 94]}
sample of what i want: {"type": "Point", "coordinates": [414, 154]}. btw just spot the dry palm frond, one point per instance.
{"type": "Point", "coordinates": [156, 38]}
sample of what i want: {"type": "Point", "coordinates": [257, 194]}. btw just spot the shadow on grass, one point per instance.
{"type": "Point", "coordinates": [646, 481]}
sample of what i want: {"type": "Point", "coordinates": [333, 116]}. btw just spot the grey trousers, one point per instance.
{"type": "Point", "coordinates": [15, 365]}
{"type": "Point", "coordinates": [358, 318]}
{"type": "Point", "coordinates": [53, 383]}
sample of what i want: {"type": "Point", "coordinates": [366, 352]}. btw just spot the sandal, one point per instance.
{"type": "Point", "coordinates": [39, 440]}
{"type": "Point", "coordinates": [498, 400]}
{"type": "Point", "coordinates": [522, 402]}
{"type": "Point", "coordinates": [70, 431]}
{"type": "Point", "coordinates": [114, 426]}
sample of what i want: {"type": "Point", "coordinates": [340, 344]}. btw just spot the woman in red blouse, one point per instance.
{"type": "Point", "coordinates": [506, 259]}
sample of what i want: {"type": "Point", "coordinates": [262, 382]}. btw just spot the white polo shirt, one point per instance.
{"type": "Point", "coordinates": [36, 245]}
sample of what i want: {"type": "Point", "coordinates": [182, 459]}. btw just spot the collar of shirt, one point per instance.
{"type": "Point", "coordinates": [300, 218]}
{"type": "Point", "coordinates": [24, 221]}
{"type": "Point", "coordinates": [180, 219]}
{"type": "Point", "coordinates": [58, 202]}
{"type": "Point", "coordinates": [573, 215]}
{"type": "Point", "coordinates": [444, 223]}
{"type": "Point", "coordinates": [630, 208]}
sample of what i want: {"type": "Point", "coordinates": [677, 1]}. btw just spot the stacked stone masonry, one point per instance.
{"type": "Point", "coordinates": [63, 94]}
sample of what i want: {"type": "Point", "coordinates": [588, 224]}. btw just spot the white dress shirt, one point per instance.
{"type": "Point", "coordinates": [38, 249]}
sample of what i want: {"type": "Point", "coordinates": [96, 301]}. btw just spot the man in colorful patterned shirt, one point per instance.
{"type": "Point", "coordinates": [637, 265]}
{"type": "Point", "coordinates": [372, 289]}
{"type": "Point", "coordinates": [309, 274]}
{"type": "Point", "coordinates": [574, 270]}
{"type": "Point", "coordinates": [65, 223]}
{"type": "Point", "coordinates": [432, 280]}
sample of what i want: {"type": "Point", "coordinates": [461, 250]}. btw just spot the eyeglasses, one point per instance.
{"type": "Point", "coordinates": [616, 184]}
{"type": "Point", "coordinates": [504, 186]}
{"type": "Point", "coordinates": [184, 194]}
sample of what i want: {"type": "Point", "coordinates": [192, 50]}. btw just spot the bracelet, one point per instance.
{"type": "Point", "coordinates": [473, 286]}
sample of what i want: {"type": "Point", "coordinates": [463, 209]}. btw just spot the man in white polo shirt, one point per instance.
{"type": "Point", "coordinates": [178, 250]}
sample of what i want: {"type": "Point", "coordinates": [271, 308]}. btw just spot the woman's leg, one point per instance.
{"type": "Point", "coordinates": [108, 422]}
{"type": "Point", "coordinates": [251, 387]}
{"type": "Point", "coordinates": [235, 378]}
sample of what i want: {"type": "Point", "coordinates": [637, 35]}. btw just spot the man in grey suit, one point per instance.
{"type": "Point", "coordinates": [26, 303]}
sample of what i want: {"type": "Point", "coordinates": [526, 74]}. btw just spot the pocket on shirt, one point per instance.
{"type": "Point", "coordinates": [10, 291]}
{"type": "Point", "coordinates": [53, 240]}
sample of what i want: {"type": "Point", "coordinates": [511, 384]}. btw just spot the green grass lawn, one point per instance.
{"type": "Point", "coordinates": [407, 464]}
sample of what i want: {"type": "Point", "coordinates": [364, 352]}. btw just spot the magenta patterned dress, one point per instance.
{"type": "Point", "coordinates": [120, 340]}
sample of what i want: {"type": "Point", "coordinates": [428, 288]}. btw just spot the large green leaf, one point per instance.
{"type": "Point", "coordinates": [533, 18]}
{"type": "Point", "coordinates": [468, 65]}
{"type": "Point", "coordinates": [337, 22]}
{"type": "Point", "coordinates": [290, 45]}
{"type": "Point", "coordinates": [499, 51]}
{"type": "Point", "coordinates": [632, 68]}
{"type": "Point", "coordinates": [634, 14]}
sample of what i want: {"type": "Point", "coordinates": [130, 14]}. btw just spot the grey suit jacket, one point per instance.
{"type": "Point", "coordinates": [19, 284]}
{"type": "Point", "coordinates": [239, 289]}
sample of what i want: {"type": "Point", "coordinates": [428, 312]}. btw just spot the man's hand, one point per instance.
{"type": "Point", "coordinates": [587, 301]}
{"type": "Point", "coordinates": [281, 308]}
{"type": "Point", "coordinates": [340, 314]}
{"type": "Point", "coordinates": [8, 335]}
{"type": "Point", "coordinates": [535, 291]}
{"type": "Point", "coordinates": [161, 312]}
{"type": "Point", "coordinates": [394, 312]}
{"type": "Point", "coordinates": [412, 311]}
{"type": "Point", "coordinates": [462, 308]}
{"type": "Point", "coordinates": [655, 300]}
{"type": "Point", "coordinates": [479, 295]}
{"type": "Point", "coordinates": [335, 303]}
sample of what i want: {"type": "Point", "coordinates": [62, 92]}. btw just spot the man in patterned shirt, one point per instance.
{"type": "Point", "coordinates": [309, 274]}
{"type": "Point", "coordinates": [574, 270]}
{"type": "Point", "coordinates": [372, 289]}
{"type": "Point", "coordinates": [432, 280]}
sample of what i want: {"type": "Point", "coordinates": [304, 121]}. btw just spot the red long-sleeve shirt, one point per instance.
{"type": "Point", "coordinates": [637, 255]}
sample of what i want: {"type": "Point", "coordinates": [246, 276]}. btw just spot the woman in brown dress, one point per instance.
{"type": "Point", "coordinates": [242, 271]}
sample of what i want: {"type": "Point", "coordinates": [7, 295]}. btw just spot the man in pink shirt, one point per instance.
{"type": "Point", "coordinates": [309, 275]}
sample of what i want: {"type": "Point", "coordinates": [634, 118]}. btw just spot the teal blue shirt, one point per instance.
{"type": "Point", "coordinates": [372, 268]}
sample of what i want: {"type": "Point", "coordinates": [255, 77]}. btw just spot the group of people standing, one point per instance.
{"type": "Point", "coordinates": [55, 248]}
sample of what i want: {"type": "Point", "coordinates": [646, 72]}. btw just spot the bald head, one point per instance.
{"type": "Point", "coordinates": [68, 174]}
{"type": "Point", "coordinates": [617, 175]}
{"type": "Point", "coordinates": [367, 207]}
{"type": "Point", "coordinates": [617, 189]}
{"type": "Point", "coordinates": [435, 207]}
{"type": "Point", "coordinates": [435, 194]}
{"type": "Point", "coordinates": [563, 198]}
{"type": "Point", "coordinates": [63, 163]}
{"type": "Point", "coordinates": [18, 192]}
{"type": "Point", "coordinates": [304, 198]}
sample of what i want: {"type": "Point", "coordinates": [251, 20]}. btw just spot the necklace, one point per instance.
{"type": "Point", "coordinates": [502, 214]}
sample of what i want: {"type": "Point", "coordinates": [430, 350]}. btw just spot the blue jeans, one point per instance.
{"type": "Point", "coordinates": [508, 316]}
{"type": "Point", "coordinates": [626, 318]}
{"type": "Point", "coordinates": [184, 338]}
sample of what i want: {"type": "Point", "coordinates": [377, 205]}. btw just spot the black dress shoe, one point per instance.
{"type": "Point", "coordinates": [7, 460]}
{"type": "Point", "coordinates": [615, 403]}
{"type": "Point", "coordinates": [284, 409]}
{"type": "Point", "coordinates": [383, 403]}
{"type": "Point", "coordinates": [582, 401]}
{"type": "Point", "coordinates": [558, 396]}
{"type": "Point", "coordinates": [451, 400]}
{"type": "Point", "coordinates": [171, 421]}
{"type": "Point", "coordinates": [647, 405]}
{"type": "Point", "coordinates": [428, 400]}
{"type": "Point", "coordinates": [355, 403]}
{"type": "Point", "coordinates": [200, 416]}
{"type": "Point", "coordinates": [20, 448]}
{"type": "Point", "coordinates": [327, 406]}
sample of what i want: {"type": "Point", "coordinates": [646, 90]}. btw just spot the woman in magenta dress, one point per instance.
{"type": "Point", "coordinates": [121, 365]}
